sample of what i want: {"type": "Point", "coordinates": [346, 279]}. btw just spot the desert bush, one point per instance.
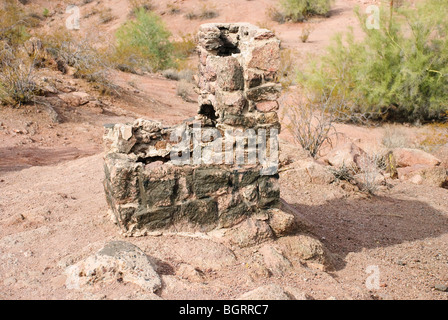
{"type": "Point", "coordinates": [287, 69]}
{"type": "Point", "coordinates": [17, 77]}
{"type": "Point", "coordinates": [46, 13]}
{"type": "Point", "coordinates": [370, 172]}
{"type": "Point", "coordinates": [13, 23]}
{"type": "Point", "coordinates": [299, 10]}
{"type": "Point", "coordinates": [182, 75]}
{"type": "Point", "coordinates": [207, 12]}
{"type": "Point", "coordinates": [204, 13]}
{"type": "Point", "coordinates": [17, 69]}
{"type": "Point", "coordinates": [306, 32]}
{"type": "Point", "coordinates": [144, 43]}
{"type": "Point", "coordinates": [185, 47]}
{"type": "Point", "coordinates": [191, 15]}
{"type": "Point", "coordinates": [399, 72]}
{"type": "Point", "coordinates": [173, 8]}
{"type": "Point", "coordinates": [275, 14]}
{"type": "Point", "coordinates": [312, 123]}
{"type": "Point", "coordinates": [394, 137]}
{"type": "Point", "coordinates": [136, 5]}
{"type": "Point", "coordinates": [343, 173]}
{"type": "Point", "coordinates": [186, 75]}
{"type": "Point", "coordinates": [184, 90]}
{"type": "Point", "coordinates": [436, 135]}
{"type": "Point", "coordinates": [89, 61]}
{"type": "Point", "coordinates": [106, 16]}
{"type": "Point", "coordinates": [171, 74]}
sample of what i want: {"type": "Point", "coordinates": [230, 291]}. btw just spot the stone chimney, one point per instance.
{"type": "Point", "coordinates": [153, 182]}
{"type": "Point", "coordinates": [238, 66]}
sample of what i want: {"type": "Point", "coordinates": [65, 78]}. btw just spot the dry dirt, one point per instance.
{"type": "Point", "coordinates": [53, 211]}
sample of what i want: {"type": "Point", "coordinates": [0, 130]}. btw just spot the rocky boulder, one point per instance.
{"type": "Point", "coordinates": [424, 174]}
{"type": "Point", "coordinates": [116, 261]}
{"type": "Point", "coordinates": [348, 155]}
{"type": "Point", "coordinates": [406, 157]}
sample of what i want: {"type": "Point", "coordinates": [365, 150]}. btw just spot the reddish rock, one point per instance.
{"type": "Point", "coordinates": [265, 92]}
{"type": "Point", "coordinates": [424, 174]}
{"type": "Point", "coordinates": [267, 106]}
{"type": "Point", "coordinates": [253, 78]}
{"type": "Point", "coordinates": [230, 74]}
{"type": "Point", "coordinates": [266, 57]}
{"type": "Point", "coordinates": [348, 155]}
{"type": "Point", "coordinates": [406, 157]}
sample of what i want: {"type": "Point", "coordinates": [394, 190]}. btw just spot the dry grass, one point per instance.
{"type": "Point", "coordinates": [184, 90]}
{"type": "Point", "coordinates": [89, 61]}
{"type": "Point", "coordinates": [206, 12]}
{"type": "Point", "coordinates": [436, 136]}
{"type": "Point", "coordinates": [287, 71]}
{"type": "Point", "coordinates": [147, 5]}
{"type": "Point", "coordinates": [312, 122]}
{"type": "Point", "coordinates": [274, 14]}
{"type": "Point", "coordinates": [370, 173]}
{"type": "Point", "coordinates": [307, 29]}
{"type": "Point", "coordinates": [106, 16]}
{"type": "Point", "coordinates": [395, 137]}
{"type": "Point", "coordinates": [17, 78]}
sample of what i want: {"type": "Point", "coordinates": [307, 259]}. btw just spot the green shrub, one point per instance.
{"type": "Point", "coordinates": [399, 72]}
{"type": "Point", "coordinates": [144, 43]}
{"type": "Point", "coordinates": [299, 10]}
{"type": "Point", "coordinates": [13, 23]}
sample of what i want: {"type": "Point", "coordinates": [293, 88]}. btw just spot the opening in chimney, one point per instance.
{"type": "Point", "coordinates": [228, 48]}
{"type": "Point", "coordinates": [208, 111]}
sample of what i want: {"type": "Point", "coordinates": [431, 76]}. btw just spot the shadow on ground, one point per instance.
{"type": "Point", "coordinates": [349, 225]}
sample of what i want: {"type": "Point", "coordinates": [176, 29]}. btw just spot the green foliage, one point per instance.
{"type": "Point", "coordinates": [399, 72]}
{"type": "Point", "coordinates": [144, 43]}
{"type": "Point", "coordinates": [298, 10]}
{"type": "Point", "coordinates": [13, 23]}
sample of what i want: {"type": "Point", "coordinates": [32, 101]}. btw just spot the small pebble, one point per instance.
{"type": "Point", "coordinates": [401, 263]}
{"type": "Point", "coordinates": [441, 287]}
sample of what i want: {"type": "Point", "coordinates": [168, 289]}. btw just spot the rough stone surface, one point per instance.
{"type": "Point", "coordinates": [116, 261]}
{"type": "Point", "coordinates": [251, 232]}
{"type": "Point", "coordinates": [274, 260]}
{"type": "Point", "coordinates": [242, 60]}
{"type": "Point", "coordinates": [282, 223]}
{"type": "Point", "coordinates": [307, 249]}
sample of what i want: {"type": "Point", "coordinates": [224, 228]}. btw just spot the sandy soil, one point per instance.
{"type": "Point", "coordinates": [53, 211]}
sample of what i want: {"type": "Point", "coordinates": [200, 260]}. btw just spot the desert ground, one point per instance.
{"type": "Point", "coordinates": [53, 210]}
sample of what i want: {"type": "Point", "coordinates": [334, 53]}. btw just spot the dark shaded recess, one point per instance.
{"type": "Point", "coordinates": [152, 159]}
{"type": "Point", "coordinates": [227, 48]}
{"type": "Point", "coordinates": [208, 111]}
